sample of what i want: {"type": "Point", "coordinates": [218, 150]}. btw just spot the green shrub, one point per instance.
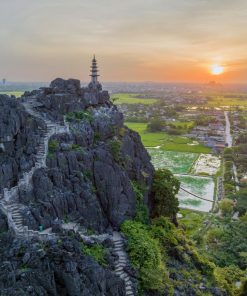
{"type": "Point", "coordinates": [141, 209]}
{"type": "Point", "coordinates": [97, 251]}
{"type": "Point", "coordinates": [146, 255]}
{"type": "Point", "coordinates": [115, 148]}
{"type": "Point", "coordinates": [76, 147]}
{"type": "Point", "coordinates": [163, 230]}
{"type": "Point", "coordinates": [96, 137]}
{"type": "Point", "coordinates": [226, 206]}
{"type": "Point", "coordinates": [88, 173]}
{"type": "Point", "coordinates": [243, 288]}
{"type": "Point", "coordinates": [241, 205]}
{"type": "Point", "coordinates": [227, 277]}
{"type": "Point", "coordinates": [52, 146]}
{"type": "Point", "coordinates": [79, 115]}
{"type": "Point", "coordinates": [214, 235]}
{"type": "Point", "coordinates": [164, 190]}
{"type": "Point", "coordinates": [155, 125]}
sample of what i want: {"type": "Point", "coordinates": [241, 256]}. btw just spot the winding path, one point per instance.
{"type": "Point", "coordinates": [122, 262]}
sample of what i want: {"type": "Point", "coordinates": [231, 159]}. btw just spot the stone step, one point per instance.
{"type": "Point", "coordinates": [16, 214]}
{"type": "Point", "coordinates": [118, 241]}
{"type": "Point", "coordinates": [119, 273]}
{"type": "Point", "coordinates": [118, 248]}
{"type": "Point", "coordinates": [15, 211]}
{"type": "Point", "coordinates": [18, 225]}
{"type": "Point", "coordinates": [128, 288]}
{"type": "Point", "coordinates": [124, 276]}
{"type": "Point", "coordinates": [122, 256]}
{"type": "Point", "coordinates": [120, 265]}
{"type": "Point", "coordinates": [122, 262]}
{"type": "Point", "coordinates": [10, 207]}
{"type": "Point", "coordinates": [16, 217]}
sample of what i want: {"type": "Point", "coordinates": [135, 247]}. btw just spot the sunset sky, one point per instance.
{"type": "Point", "coordinates": [134, 40]}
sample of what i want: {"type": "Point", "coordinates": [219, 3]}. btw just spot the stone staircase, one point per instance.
{"type": "Point", "coordinates": [9, 199]}
{"type": "Point", "coordinates": [118, 248]}
{"type": "Point", "coordinates": [122, 262]}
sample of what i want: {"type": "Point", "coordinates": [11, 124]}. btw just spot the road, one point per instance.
{"type": "Point", "coordinates": [228, 136]}
{"type": "Point", "coordinates": [228, 140]}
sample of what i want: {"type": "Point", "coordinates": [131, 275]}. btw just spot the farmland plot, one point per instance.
{"type": "Point", "coordinates": [201, 186]}
{"type": "Point", "coordinates": [178, 163]}
{"type": "Point", "coordinates": [207, 164]}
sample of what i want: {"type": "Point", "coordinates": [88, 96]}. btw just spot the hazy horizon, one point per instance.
{"type": "Point", "coordinates": [162, 41]}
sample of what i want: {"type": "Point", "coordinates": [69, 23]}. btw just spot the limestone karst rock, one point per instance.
{"type": "Point", "coordinates": [87, 180]}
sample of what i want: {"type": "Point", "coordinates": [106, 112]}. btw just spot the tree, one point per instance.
{"type": "Point", "coordinates": [163, 198]}
{"type": "Point", "coordinates": [226, 206]}
{"type": "Point", "coordinates": [241, 197]}
{"type": "Point", "coordinates": [155, 125]}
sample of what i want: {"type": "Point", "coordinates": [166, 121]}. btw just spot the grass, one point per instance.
{"type": "Point", "coordinates": [183, 124]}
{"type": "Point", "coordinates": [192, 221]}
{"type": "Point", "coordinates": [167, 142]}
{"type": "Point", "coordinates": [97, 251]}
{"type": "Point", "coordinates": [127, 98]}
{"type": "Point", "coordinates": [219, 101]}
{"type": "Point", "coordinates": [12, 93]}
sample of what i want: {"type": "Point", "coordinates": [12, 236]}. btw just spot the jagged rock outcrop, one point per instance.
{"type": "Point", "coordinates": [31, 267]}
{"type": "Point", "coordinates": [19, 136]}
{"type": "Point", "coordinates": [89, 171]}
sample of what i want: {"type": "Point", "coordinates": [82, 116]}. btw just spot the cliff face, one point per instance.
{"type": "Point", "coordinates": [33, 267]}
{"type": "Point", "coordinates": [86, 181]}
{"type": "Point", "coordinates": [18, 141]}
{"type": "Point", "coordinates": [89, 170]}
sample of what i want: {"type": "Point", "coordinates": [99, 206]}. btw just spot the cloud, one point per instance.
{"type": "Point", "coordinates": [138, 33]}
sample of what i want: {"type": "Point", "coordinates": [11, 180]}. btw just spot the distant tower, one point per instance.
{"type": "Point", "coordinates": [94, 75]}
{"type": "Point", "coordinates": [4, 81]}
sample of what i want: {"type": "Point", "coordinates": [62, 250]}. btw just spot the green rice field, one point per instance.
{"type": "Point", "coordinates": [165, 141]}
{"type": "Point", "coordinates": [219, 101]}
{"type": "Point", "coordinates": [178, 163]}
{"type": "Point", "coordinates": [201, 186]}
{"type": "Point", "coordinates": [125, 98]}
{"type": "Point", "coordinates": [12, 93]}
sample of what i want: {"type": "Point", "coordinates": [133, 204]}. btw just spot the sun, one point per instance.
{"type": "Point", "coordinates": [217, 69]}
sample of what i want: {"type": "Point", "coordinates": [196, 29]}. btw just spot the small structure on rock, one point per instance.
{"type": "Point", "coordinates": [94, 84]}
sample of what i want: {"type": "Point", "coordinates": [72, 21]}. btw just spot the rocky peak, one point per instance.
{"type": "Point", "coordinates": [72, 86]}
{"type": "Point", "coordinates": [67, 162]}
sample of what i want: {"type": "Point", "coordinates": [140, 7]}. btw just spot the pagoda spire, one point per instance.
{"type": "Point", "coordinates": [94, 71]}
